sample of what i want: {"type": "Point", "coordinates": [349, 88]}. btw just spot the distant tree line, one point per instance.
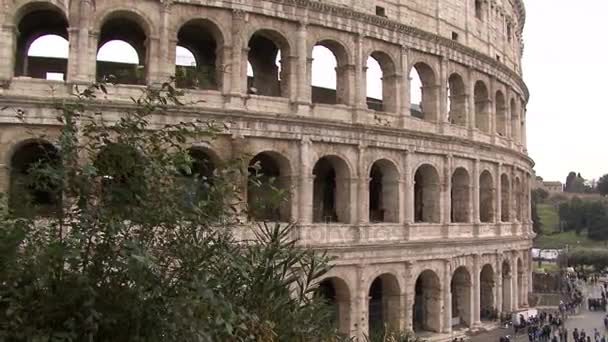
{"type": "Point", "coordinates": [579, 215]}
{"type": "Point", "coordinates": [579, 258]}
{"type": "Point", "coordinates": [575, 183]}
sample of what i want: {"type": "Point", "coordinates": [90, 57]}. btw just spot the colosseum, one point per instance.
{"type": "Point", "coordinates": [419, 184]}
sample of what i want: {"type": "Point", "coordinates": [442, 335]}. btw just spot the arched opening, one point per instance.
{"type": "Point", "coordinates": [268, 190]}
{"type": "Point", "coordinates": [482, 107]}
{"type": "Point", "coordinates": [384, 192]}
{"type": "Point", "coordinates": [486, 197]}
{"type": "Point", "coordinates": [33, 190]}
{"type": "Point", "coordinates": [381, 82]}
{"type": "Point", "coordinates": [329, 74]}
{"type": "Point", "coordinates": [122, 51]}
{"type": "Point", "coordinates": [461, 288]}
{"type": "Point", "coordinates": [487, 308]}
{"type": "Point", "coordinates": [331, 190]}
{"type": "Point", "coordinates": [336, 294]}
{"type": "Point", "coordinates": [197, 57]}
{"type": "Point", "coordinates": [384, 305]}
{"type": "Point", "coordinates": [519, 193]}
{"type": "Point", "coordinates": [505, 190]}
{"type": "Point", "coordinates": [457, 101]}
{"type": "Point", "coordinates": [121, 169]}
{"type": "Point", "coordinates": [506, 287]}
{"type": "Point", "coordinates": [42, 43]}
{"type": "Point", "coordinates": [460, 196]}
{"type": "Point", "coordinates": [268, 56]}
{"type": "Point", "coordinates": [427, 302]}
{"type": "Point", "coordinates": [426, 195]}
{"type": "Point", "coordinates": [198, 180]}
{"type": "Point", "coordinates": [501, 114]}
{"type": "Point", "coordinates": [423, 92]}
{"type": "Point", "coordinates": [515, 133]}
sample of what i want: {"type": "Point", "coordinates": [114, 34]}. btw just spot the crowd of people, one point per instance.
{"type": "Point", "coordinates": [550, 326]}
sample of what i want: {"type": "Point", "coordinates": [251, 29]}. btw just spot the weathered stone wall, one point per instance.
{"type": "Point", "coordinates": [425, 207]}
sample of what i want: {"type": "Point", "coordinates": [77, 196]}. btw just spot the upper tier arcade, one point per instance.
{"type": "Point", "coordinates": [442, 70]}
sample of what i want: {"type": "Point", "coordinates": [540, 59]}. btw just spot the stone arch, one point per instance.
{"type": "Point", "coordinates": [130, 29]}
{"type": "Point", "coordinates": [337, 295]}
{"type": "Point", "coordinates": [429, 92]}
{"type": "Point", "coordinates": [486, 197]}
{"type": "Point", "coordinates": [384, 306]}
{"type": "Point", "coordinates": [339, 93]}
{"type": "Point", "coordinates": [205, 40]}
{"type": "Point", "coordinates": [39, 20]}
{"type": "Point", "coordinates": [487, 289]}
{"type": "Point", "coordinates": [426, 194]}
{"type": "Point", "coordinates": [507, 287]}
{"type": "Point", "coordinates": [460, 196]}
{"type": "Point", "coordinates": [482, 107]}
{"type": "Point", "coordinates": [427, 302]}
{"type": "Point", "coordinates": [269, 52]}
{"type": "Point", "coordinates": [384, 192]}
{"type": "Point", "coordinates": [30, 192]}
{"type": "Point", "coordinates": [515, 133]}
{"type": "Point", "coordinates": [457, 100]}
{"type": "Point", "coordinates": [521, 288]}
{"type": "Point", "coordinates": [331, 190]}
{"type": "Point", "coordinates": [518, 194]}
{"type": "Point", "coordinates": [388, 102]}
{"type": "Point", "coordinates": [505, 194]}
{"type": "Point", "coordinates": [269, 187]}
{"type": "Point", "coordinates": [501, 114]}
{"type": "Point", "coordinates": [461, 288]}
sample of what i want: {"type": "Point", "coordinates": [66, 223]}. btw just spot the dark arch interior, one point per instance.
{"type": "Point", "coordinates": [427, 302]}
{"type": "Point", "coordinates": [457, 100]}
{"type": "Point", "coordinates": [267, 80]}
{"type": "Point", "coordinates": [426, 195]}
{"type": "Point", "coordinates": [126, 30]}
{"type": "Point", "coordinates": [486, 198]}
{"type": "Point", "coordinates": [37, 23]}
{"type": "Point", "coordinates": [198, 38]}
{"type": "Point", "coordinates": [460, 196]}
{"type": "Point", "coordinates": [336, 295]}
{"type": "Point", "coordinates": [199, 180]}
{"type": "Point", "coordinates": [268, 188]}
{"type": "Point", "coordinates": [331, 202]}
{"type": "Point", "coordinates": [487, 308]}
{"type": "Point", "coordinates": [32, 191]}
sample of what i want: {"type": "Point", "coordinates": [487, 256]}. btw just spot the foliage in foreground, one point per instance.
{"type": "Point", "coordinates": [141, 247]}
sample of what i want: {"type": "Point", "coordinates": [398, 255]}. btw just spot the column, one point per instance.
{"type": "Point", "coordinates": [492, 108]}
{"type": "Point", "coordinates": [475, 181]}
{"type": "Point", "coordinates": [446, 322]}
{"type": "Point", "coordinates": [303, 71]}
{"type": "Point", "coordinates": [410, 293]}
{"type": "Point", "coordinates": [362, 188]}
{"type": "Point", "coordinates": [360, 105]}
{"type": "Point", "coordinates": [442, 113]}
{"type": "Point", "coordinates": [446, 189]}
{"type": "Point", "coordinates": [498, 283]}
{"type": "Point", "coordinates": [524, 133]}
{"type": "Point", "coordinates": [471, 102]}
{"type": "Point", "coordinates": [408, 181]}
{"type": "Point", "coordinates": [306, 183]}
{"type": "Point", "coordinates": [238, 60]}
{"type": "Point", "coordinates": [360, 308]}
{"type": "Point", "coordinates": [7, 48]}
{"type": "Point", "coordinates": [476, 297]}
{"type": "Point", "coordinates": [405, 85]}
{"type": "Point", "coordinates": [514, 284]}
{"type": "Point", "coordinates": [498, 194]}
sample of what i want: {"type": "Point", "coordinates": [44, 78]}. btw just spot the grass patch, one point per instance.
{"type": "Point", "coordinates": [549, 218]}
{"type": "Point", "coordinates": [560, 240]}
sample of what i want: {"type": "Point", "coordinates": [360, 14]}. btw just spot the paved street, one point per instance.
{"type": "Point", "coordinates": [587, 320]}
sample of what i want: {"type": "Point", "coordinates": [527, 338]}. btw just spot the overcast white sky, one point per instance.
{"type": "Point", "coordinates": [566, 68]}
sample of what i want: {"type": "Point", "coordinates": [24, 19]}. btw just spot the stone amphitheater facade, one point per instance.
{"type": "Point", "coordinates": [426, 206]}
